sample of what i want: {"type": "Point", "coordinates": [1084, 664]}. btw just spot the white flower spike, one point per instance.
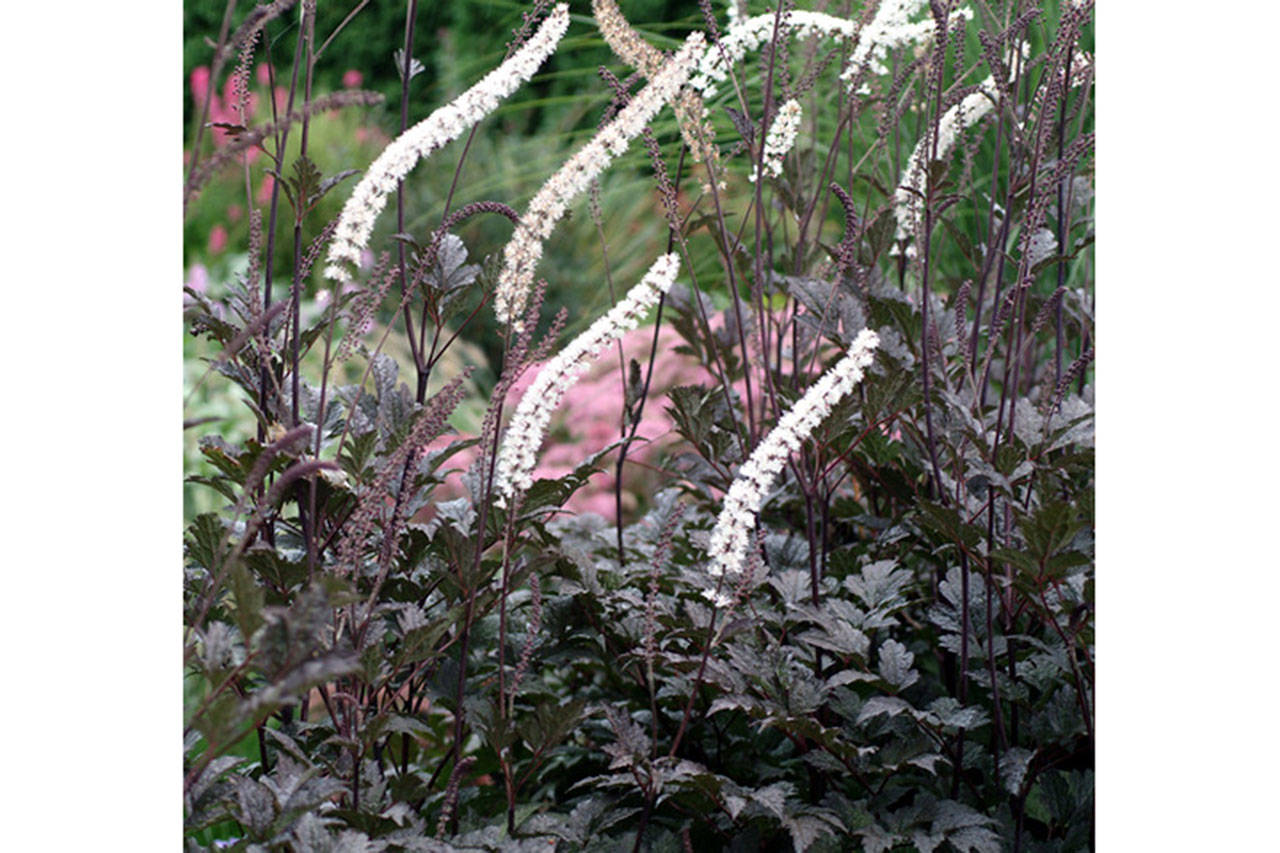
{"type": "Point", "coordinates": [732, 535]}
{"type": "Point", "coordinates": [519, 452]}
{"type": "Point", "coordinates": [909, 198]}
{"type": "Point", "coordinates": [523, 252]}
{"type": "Point", "coordinates": [892, 27]}
{"type": "Point", "coordinates": [780, 139]}
{"type": "Point", "coordinates": [435, 131]}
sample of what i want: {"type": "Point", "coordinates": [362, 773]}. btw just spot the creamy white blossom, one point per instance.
{"type": "Point", "coordinates": [524, 250]}
{"type": "Point", "coordinates": [736, 8]}
{"type": "Point", "coordinates": [435, 131]}
{"type": "Point", "coordinates": [892, 27]}
{"type": "Point", "coordinates": [780, 139]}
{"type": "Point", "coordinates": [910, 195]}
{"type": "Point", "coordinates": [748, 34]}
{"type": "Point", "coordinates": [731, 536]}
{"type": "Point", "coordinates": [909, 198]}
{"type": "Point", "coordinates": [718, 598]}
{"type": "Point", "coordinates": [518, 454]}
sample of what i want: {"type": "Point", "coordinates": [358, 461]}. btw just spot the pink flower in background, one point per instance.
{"type": "Point", "coordinates": [201, 91]}
{"type": "Point", "coordinates": [352, 79]}
{"type": "Point", "coordinates": [197, 278]}
{"type": "Point", "coordinates": [217, 239]}
{"type": "Point", "coordinates": [264, 189]}
{"type": "Point", "coordinates": [590, 418]}
{"type": "Point", "coordinates": [222, 110]}
{"type": "Point", "coordinates": [263, 73]}
{"type": "Point", "coordinates": [200, 84]}
{"type": "Point", "coordinates": [234, 212]}
{"type": "Point", "coordinates": [229, 94]}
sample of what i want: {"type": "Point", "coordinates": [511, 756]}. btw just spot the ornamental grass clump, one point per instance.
{"type": "Point", "coordinates": [519, 539]}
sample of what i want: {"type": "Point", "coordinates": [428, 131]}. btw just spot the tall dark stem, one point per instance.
{"type": "Point", "coordinates": [644, 391]}
{"type": "Point", "coordinates": [1062, 223]}
{"type": "Point", "coordinates": [758, 256]}
{"type": "Point", "coordinates": [269, 261]}
{"type": "Point", "coordinates": [307, 34]}
{"type": "Point", "coordinates": [305, 515]}
{"type": "Point", "coordinates": [415, 346]}
{"type": "Point", "coordinates": [208, 95]}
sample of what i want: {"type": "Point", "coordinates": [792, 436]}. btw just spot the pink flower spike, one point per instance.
{"type": "Point", "coordinates": [352, 79]}
{"type": "Point", "coordinates": [263, 74]}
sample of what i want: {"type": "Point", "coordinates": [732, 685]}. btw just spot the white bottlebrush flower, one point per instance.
{"type": "Point", "coordinates": [736, 8]}
{"type": "Point", "coordinates": [892, 27]}
{"type": "Point", "coordinates": [519, 452]}
{"type": "Point", "coordinates": [718, 598]}
{"type": "Point", "coordinates": [780, 139]}
{"type": "Point", "coordinates": [441, 127]}
{"type": "Point", "coordinates": [748, 34]}
{"type": "Point", "coordinates": [909, 198]}
{"type": "Point", "coordinates": [732, 535]}
{"type": "Point", "coordinates": [524, 250]}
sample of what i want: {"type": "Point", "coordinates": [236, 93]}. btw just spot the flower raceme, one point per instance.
{"type": "Point", "coordinates": [909, 198]}
{"type": "Point", "coordinates": [732, 534]}
{"type": "Point", "coordinates": [748, 34]}
{"type": "Point", "coordinates": [910, 195]}
{"type": "Point", "coordinates": [632, 49]}
{"type": "Point", "coordinates": [892, 27]}
{"type": "Point", "coordinates": [548, 206]}
{"type": "Point", "coordinates": [434, 132]}
{"type": "Point", "coordinates": [780, 139]}
{"type": "Point", "coordinates": [518, 454]}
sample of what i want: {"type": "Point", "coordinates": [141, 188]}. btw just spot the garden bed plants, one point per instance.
{"type": "Point", "coordinates": [699, 461]}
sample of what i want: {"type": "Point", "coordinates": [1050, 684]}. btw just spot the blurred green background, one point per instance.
{"type": "Point", "coordinates": [456, 41]}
